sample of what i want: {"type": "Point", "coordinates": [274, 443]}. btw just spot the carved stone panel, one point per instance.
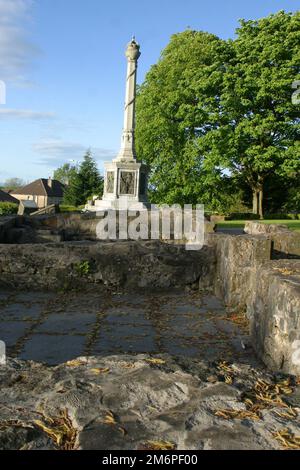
{"type": "Point", "coordinates": [110, 181]}
{"type": "Point", "coordinates": [127, 182]}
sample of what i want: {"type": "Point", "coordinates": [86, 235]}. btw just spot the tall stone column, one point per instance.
{"type": "Point", "coordinates": [127, 151]}
{"type": "Point", "coordinates": [125, 181]}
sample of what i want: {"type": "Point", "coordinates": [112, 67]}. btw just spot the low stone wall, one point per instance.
{"type": "Point", "coordinates": [285, 243]}
{"type": "Point", "coordinates": [6, 225]}
{"type": "Point", "coordinates": [115, 264]}
{"type": "Point", "coordinates": [69, 227]}
{"type": "Point", "coordinates": [237, 260]}
{"type": "Point", "coordinates": [268, 290]}
{"type": "Point", "coordinates": [238, 268]}
{"type": "Point", "coordinates": [259, 228]}
{"type": "Point", "coordinates": [76, 226]}
{"type": "Point", "coordinates": [274, 310]}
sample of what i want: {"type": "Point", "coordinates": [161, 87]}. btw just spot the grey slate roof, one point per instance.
{"type": "Point", "coordinates": [5, 197]}
{"type": "Point", "coordinates": [40, 187]}
{"type": "Point", "coordinates": [29, 204]}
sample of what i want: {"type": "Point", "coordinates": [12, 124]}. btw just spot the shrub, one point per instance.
{"type": "Point", "coordinates": [279, 216]}
{"type": "Point", "coordinates": [83, 268]}
{"type": "Point", "coordinates": [68, 208]}
{"type": "Point", "coordinates": [8, 208]}
{"type": "Point", "coordinates": [243, 216]}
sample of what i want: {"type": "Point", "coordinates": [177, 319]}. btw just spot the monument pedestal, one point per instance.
{"type": "Point", "coordinates": [125, 183]}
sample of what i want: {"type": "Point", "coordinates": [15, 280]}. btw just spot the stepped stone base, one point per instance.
{"type": "Point", "coordinates": [108, 204]}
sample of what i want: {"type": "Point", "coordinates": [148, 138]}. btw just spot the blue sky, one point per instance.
{"type": "Point", "coordinates": [64, 68]}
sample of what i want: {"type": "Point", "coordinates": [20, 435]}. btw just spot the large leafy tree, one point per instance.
{"type": "Point", "coordinates": [177, 107]}
{"type": "Point", "coordinates": [84, 183]}
{"type": "Point", "coordinates": [65, 173]}
{"type": "Point", "coordinates": [212, 113]}
{"type": "Point", "coordinates": [262, 135]}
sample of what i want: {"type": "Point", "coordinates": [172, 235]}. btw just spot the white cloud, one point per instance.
{"type": "Point", "coordinates": [16, 51]}
{"type": "Point", "coordinates": [25, 114]}
{"type": "Point", "coordinates": [56, 152]}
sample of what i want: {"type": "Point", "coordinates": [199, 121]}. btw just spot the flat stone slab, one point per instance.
{"type": "Point", "coordinates": [73, 323]}
{"type": "Point", "coordinates": [125, 402]}
{"type": "Point", "coordinates": [52, 348]}
{"type": "Point", "coordinates": [20, 312]}
{"type": "Point", "coordinates": [12, 331]}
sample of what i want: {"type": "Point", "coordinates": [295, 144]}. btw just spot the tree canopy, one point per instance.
{"type": "Point", "coordinates": [84, 183]}
{"type": "Point", "coordinates": [263, 129]}
{"type": "Point", "coordinates": [13, 183]}
{"type": "Point", "coordinates": [213, 115]}
{"type": "Point", "coordinates": [65, 173]}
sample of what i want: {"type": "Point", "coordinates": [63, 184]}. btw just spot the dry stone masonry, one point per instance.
{"type": "Point", "coordinates": [242, 270]}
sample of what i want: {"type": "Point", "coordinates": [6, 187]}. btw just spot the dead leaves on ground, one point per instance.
{"type": "Point", "coordinates": [75, 363]}
{"type": "Point", "coordinates": [157, 445]}
{"type": "Point", "coordinates": [128, 365]}
{"type": "Point", "coordinates": [94, 370]}
{"type": "Point", "coordinates": [14, 423]}
{"type": "Point", "coordinates": [264, 395]}
{"type": "Point", "coordinates": [289, 413]}
{"type": "Point", "coordinates": [240, 320]}
{"type": "Point", "coordinates": [238, 414]}
{"type": "Point", "coordinates": [111, 420]}
{"type": "Point", "coordinates": [269, 394]}
{"type": "Point", "coordinates": [155, 361]}
{"type": "Point", "coordinates": [286, 271]}
{"type": "Point", "coordinates": [287, 439]}
{"type": "Point", "coordinates": [226, 371]}
{"type": "Point", "coordinates": [60, 430]}
{"type": "Point", "coordinates": [100, 370]}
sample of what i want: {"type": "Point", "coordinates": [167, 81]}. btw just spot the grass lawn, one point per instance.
{"type": "Point", "coordinates": [68, 208]}
{"type": "Point", "coordinates": [292, 224]}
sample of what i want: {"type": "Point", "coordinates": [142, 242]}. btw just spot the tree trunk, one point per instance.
{"type": "Point", "coordinates": [255, 201]}
{"type": "Point", "coordinates": [260, 198]}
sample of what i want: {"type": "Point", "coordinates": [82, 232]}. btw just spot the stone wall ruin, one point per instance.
{"type": "Point", "coordinates": [243, 270]}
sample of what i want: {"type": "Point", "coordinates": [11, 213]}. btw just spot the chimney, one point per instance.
{"type": "Point", "coordinates": [50, 182]}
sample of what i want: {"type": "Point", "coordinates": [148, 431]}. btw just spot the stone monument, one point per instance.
{"type": "Point", "coordinates": [125, 181]}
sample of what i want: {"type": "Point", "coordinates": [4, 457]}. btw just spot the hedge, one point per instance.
{"type": "Point", "coordinates": [8, 208]}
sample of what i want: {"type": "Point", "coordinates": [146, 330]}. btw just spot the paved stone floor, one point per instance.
{"type": "Point", "coordinates": [54, 328]}
{"type": "Point", "coordinates": [154, 367]}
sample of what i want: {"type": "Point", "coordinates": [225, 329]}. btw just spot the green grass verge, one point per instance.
{"type": "Point", "coordinates": [292, 224]}
{"type": "Point", "coordinates": [66, 208]}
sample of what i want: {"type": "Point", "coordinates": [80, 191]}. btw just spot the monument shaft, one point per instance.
{"type": "Point", "coordinates": [127, 150]}
{"type": "Point", "coordinates": [129, 123]}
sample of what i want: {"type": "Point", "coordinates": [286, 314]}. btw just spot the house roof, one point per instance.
{"type": "Point", "coordinates": [5, 197]}
{"type": "Point", "coordinates": [41, 187]}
